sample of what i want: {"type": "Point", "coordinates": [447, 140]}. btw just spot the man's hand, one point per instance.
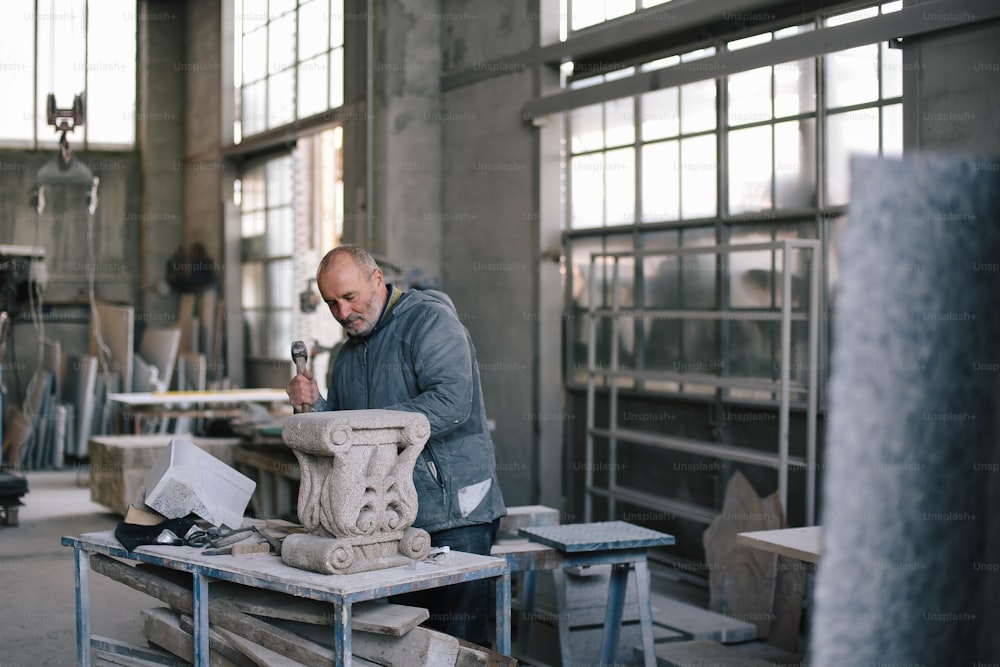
{"type": "Point", "coordinates": [302, 390]}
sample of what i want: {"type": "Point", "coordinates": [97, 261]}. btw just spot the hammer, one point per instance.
{"type": "Point", "coordinates": [300, 356]}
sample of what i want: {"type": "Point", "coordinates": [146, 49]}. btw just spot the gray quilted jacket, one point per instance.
{"type": "Point", "coordinates": [420, 358]}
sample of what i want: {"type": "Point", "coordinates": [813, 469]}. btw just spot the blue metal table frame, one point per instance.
{"type": "Point", "coordinates": [268, 572]}
{"type": "Point", "coordinates": [622, 545]}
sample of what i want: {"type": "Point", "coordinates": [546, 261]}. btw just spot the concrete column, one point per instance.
{"type": "Point", "coordinates": [160, 132]}
{"type": "Point", "coordinates": [911, 457]}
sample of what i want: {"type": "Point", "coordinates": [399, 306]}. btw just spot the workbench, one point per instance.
{"type": "Point", "coordinates": [270, 573]}
{"type": "Point", "coordinates": [223, 403]}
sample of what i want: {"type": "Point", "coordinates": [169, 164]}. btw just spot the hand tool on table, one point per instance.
{"type": "Point", "coordinates": [300, 355]}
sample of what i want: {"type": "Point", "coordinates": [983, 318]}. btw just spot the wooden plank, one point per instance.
{"type": "Point", "coordinates": [162, 627]}
{"type": "Point", "coordinates": [116, 652]}
{"type": "Point", "coordinates": [805, 544]}
{"type": "Point", "coordinates": [695, 622]}
{"type": "Point", "coordinates": [474, 655]}
{"type": "Point", "coordinates": [220, 613]}
{"type": "Point", "coordinates": [378, 617]}
{"type": "Point", "coordinates": [701, 653]}
{"type": "Point", "coordinates": [421, 647]}
{"type": "Point", "coordinates": [259, 655]}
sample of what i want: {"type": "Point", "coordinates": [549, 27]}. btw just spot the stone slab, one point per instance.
{"type": "Point", "coordinates": [598, 536]}
{"type": "Point", "coordinates": [187, 480]}
{"type": "Point", "coordinates": [119, 464]}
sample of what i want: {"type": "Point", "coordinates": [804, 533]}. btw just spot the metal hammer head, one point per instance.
{"type": "Point", "coordinates": [299, 351]}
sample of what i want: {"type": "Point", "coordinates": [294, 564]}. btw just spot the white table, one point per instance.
{"type": "Point", "coordinates": [219, 403]}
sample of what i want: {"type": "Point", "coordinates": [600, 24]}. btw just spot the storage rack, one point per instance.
{"type": "Point", "coordinates": [783, 386]}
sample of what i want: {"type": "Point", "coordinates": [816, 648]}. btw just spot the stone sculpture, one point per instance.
{"type": "Point", "coordinates": [356, 496]}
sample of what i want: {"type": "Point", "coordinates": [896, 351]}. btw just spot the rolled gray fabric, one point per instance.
{"type": "Point", "coordinates": [911, 431]}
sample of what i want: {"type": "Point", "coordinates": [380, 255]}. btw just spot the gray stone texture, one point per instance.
{"type": "Point", "coordinates": [356, 496]}
{"type": "Point", "coordinates": [912, 431]}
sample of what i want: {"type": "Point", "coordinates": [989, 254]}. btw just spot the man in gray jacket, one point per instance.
{"type": "Point", "coordinates": [409, 351]}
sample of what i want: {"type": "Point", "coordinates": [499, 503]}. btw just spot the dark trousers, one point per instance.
{"type": "Point", "coordinates": [460, 610]}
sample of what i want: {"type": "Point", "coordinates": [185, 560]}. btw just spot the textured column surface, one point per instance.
{"type": "Point", "coordinates": [911, 452]}
{"type": "Point", "coordinates": [356, 495]}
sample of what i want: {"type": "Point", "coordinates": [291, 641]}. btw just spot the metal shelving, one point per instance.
{"type": "Point", "coordinates": [610, 374]}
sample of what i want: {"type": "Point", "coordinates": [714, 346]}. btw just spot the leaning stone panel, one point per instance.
{"type": "Point", "coordinates": [356, 496]}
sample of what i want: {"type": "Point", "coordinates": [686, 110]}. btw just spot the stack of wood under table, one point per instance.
{"type": "Point", "coordinates": [260, 628]}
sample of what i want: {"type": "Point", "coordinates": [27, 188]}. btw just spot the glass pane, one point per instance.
{"type": "Point", "coordinates": [750, 96]}
{"type": "Point", "coordinates": [619, 179]}
{"type": "Point", "coordinates": [280, 231]}
{"type": "Point", "coordinates": [847, 134]}
{"type": "Point", "coordinates": [795, 164]}
{"type": "Point", "coordinates": [254, 111]}
{"type": "Point", "coordinates": [659, 115]}
{"type": "Point", "coordinates": [750, 169]}
{"type": "Point", "coordinates": [794, 88]}
{"type": "Point", "coordinates": [660, 181]}
{"type": "Point", "coordinates": [336, 77]}
{"type": "Point", "coordinates": [337, 23]}
{"type": "Point", "coordinates": [892, 71]}
{"type": "Point", "coordinates": [17, 30]}
{"type": "Point", "coordinates": [661, 283]}
{"type": "Point", "coordinates": [616, 8]}
{"type": "Point", "coordinates": [281, 98]}
{"type": "Point", "coordinates": [253, 189]}
{"type": "Point", "coordinates": [279, 332]}
{"type": "Point", "coordinates": [280, 182]}
{"type": "Point", "coordinates": [751, 274]}
{"type": "Point", "coordinates": [587, 174]}
{"type": "Point", "coordinates": [587, 126]}
{"type": "Point", "coordinates": [698, 106]}
{"type": "Point", "coordinates": [281, 44]}
{"type": "Point", "coordinates": [255, 55]}
{"type": "Point", "coordinates": [698, 177]}
{"type": "Point", "coordinates": [280, 283]}
{"type": "Point", "coordinates": [254, 14]}
{"type": "Point", "coordinates": [313, 29]}
{"type": "Point", "coordinates": [661, 344]}
{"type": "Point", "coordinates": [892, 130]}
{"type": "Point", "coordinates": [256, 333]}
{"type": "Point", "coordinates": [580, 277]}
{"type": "Point", "coordinates": [253, 285]}
{"type": "Point", "coordinates": [252, 226]}
{"type": "Point", "coordinates": [278, 7]}
{"type": "Point", "coordinates": [619, 122]}
{"type": "Point", "coordinates": [852, 76]}
{"type": "Point", "coordinates": [111, 72]}
{"type": "Point", "coordinates": [313, 78]}
{"type": "Point", "coordinates": [698, 274]}
{"type": "Point", "coordinates": [586, 13]}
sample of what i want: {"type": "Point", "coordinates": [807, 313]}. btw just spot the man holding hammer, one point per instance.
{"type": "Point", "coordinates": [409, 351]}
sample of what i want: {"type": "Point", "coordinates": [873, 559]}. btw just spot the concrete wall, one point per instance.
{"type": "Point", "coordinates": [952, 90]}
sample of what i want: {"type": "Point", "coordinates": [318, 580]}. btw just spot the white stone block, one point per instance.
{"type": "Point", "coordinates": [187, 480]}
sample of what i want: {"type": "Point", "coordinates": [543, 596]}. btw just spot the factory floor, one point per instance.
{"type": "Point", "coordinates": [38, 613]}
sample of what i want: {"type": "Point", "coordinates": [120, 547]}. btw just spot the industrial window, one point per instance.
{"type": "Point", "coordinates": [291, 211]}
{"type": "Point", "coordinates": [68, 48]}
{"type": "Point", "coordinates": [288, 62]}
{"type": "Point", "coordinates": [752, 157]}
{"type": "Point", "coordinates": [267, 223]}
{"type": "Point", "coordinates": [582, 14]}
